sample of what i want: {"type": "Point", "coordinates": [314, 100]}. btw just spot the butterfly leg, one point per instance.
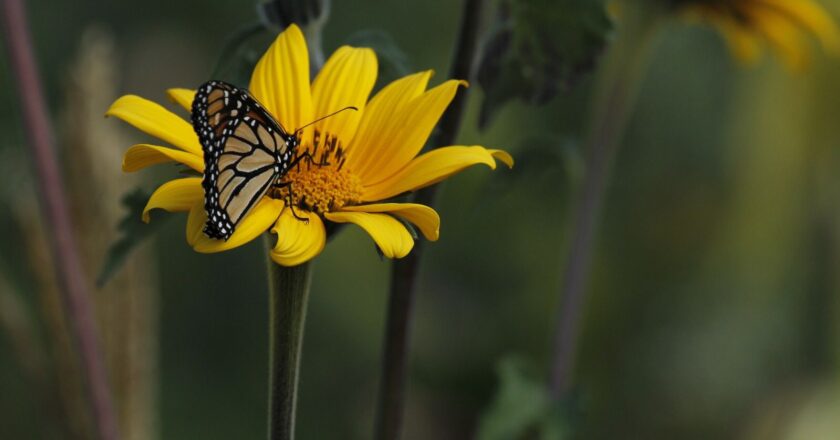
{"type": "Point", "coordinates": [289, 199]}
{"type": "Point", "coordinates": [309, 158]}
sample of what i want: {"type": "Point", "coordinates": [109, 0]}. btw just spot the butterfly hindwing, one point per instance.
{"type": "Point", "coordinates": [245, 152]}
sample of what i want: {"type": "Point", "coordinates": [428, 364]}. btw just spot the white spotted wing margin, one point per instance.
{"type": "Point", "coordinates": [245, 152]}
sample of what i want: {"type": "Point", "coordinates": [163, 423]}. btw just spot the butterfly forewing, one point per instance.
{"type": "Point", "coordinates": [245, 152]}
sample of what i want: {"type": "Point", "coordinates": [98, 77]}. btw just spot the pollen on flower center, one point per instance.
{"type": "Point", "coordinates": [319, 182]}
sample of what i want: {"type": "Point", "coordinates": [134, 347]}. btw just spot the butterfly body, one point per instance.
{"type": "Point", "coordinates": [246, 152]}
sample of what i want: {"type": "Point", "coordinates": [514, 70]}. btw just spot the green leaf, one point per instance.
{"type": "Point", "coordinates": [523, 408]}
{"type": "Point", "coordinates": [132, 232]}
{"type": "Point", "coordinates": [537, 48]}
{"type": "Point", "coordinates": [520, 403]}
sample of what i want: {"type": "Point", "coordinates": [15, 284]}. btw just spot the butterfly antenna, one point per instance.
{"type": "Point", "coordinates": [325, 117]}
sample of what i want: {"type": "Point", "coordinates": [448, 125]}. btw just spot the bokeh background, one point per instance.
{"type": "Point", "coordinates": [714, 298]}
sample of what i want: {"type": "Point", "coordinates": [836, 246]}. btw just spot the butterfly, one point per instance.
{"type": "Point", "coordinates": [246, 153]}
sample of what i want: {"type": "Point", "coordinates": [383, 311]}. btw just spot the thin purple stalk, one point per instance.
{"type": "Point", "coordinates": [76, 299]}
{"type": "Point", "coordinates": [617, 86]}
{"type": "Point", "coordinates": [404, 272]}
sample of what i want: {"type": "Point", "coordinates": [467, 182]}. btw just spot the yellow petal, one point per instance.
{"type": "Point", "coordinates": [428, 169]}
{"type": "Point", "coordinates": [425, 218]}
{"type": "Point", "coordinates": [175, 196]}
{"type": "Point", "coordinates": [411, 129]}
{"type": "Point", "coordinates": [389, 234]}
{"type": "Point", "coordinates": [182, 97]}
{"type": "Point", "coordinates": [142, 155]}
{"type": "Point", "coordinates": [503, 157]}
{"type": "Point", "coordinates": [298, 241]}
{"type": "Point", "coordinates": [375, 129]}
{"type": "Point", "coordinates": [346, 79]}
{"type": "Point", "coordinates": [742, 42]}
{"type": "Point", "coordinates": [255, 223]}
{"type": "Point", "coordinates": [783, 36]}
{"type": "Point", "coordinates": [812, 17]}
{"type": "Point", "coordinates": [157, 121]}
{"type": "Point", "coordinates": [195, 222]}
{"type": "Point", "coordinates": [280, 81]}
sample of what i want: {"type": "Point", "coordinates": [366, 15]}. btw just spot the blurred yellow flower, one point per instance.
{"type": "Point", "coordinates": [782, 24]}
{"type": "Point", "coordinates": [373, 152]}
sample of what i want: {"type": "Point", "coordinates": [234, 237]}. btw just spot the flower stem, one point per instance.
{"type": "Point", "coordinates": [404, 272]}
{"type": "Point", "coordinates": [74, 289]}
{"type": "Point", "coordinates": [289, 294]}
{"type": "Point", "coordinates": [616, 91]}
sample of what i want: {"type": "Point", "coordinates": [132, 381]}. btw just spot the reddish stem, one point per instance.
{"type": "Point", "coordinates": [77, 304]}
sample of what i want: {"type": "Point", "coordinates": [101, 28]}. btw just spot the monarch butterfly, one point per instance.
{"type": "Point", "coordinates": [246, 152]}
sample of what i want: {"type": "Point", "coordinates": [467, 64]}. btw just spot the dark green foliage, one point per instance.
{"type": "Point", "coordinates": [132, 232]}
{"type": "Point", "coordinates": [537, 48]}
{"type": "Point", "coordinates": [393, 63]}
{"type": "Point", "coordinates": [279, 14]}
{"type": "Point", "coordinates": [522, 407]}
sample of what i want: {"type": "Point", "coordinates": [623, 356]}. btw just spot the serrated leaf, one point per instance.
{"type": "Point", "coordinates": [132, 232]}
{"type": "Point", "coordinates": [537, 48]}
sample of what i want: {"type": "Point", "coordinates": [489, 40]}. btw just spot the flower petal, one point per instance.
{"type": "Point", "coordinates": [422, 216]}
{"type": "Point", "coordinates": [812, 17]}
{"type": "Point", "coordinates": [375, 134]}
{"type": "Point", "coordinates": [152, 118]}
{"type": "Point", "coordinates": [413, 125]}
{"type": "Point", "coordinates": [743, 43]}
{"type": "Point", "coordinates": [783, 36]}
{"type": "Point", "coordinates": [280, 81]}
{"type": "Point", "coordinates": [298, 241]}
{"type": "Point", "coordinates": [389, 234]}
{"type": "Point", "coordinates": [182, 97]}
{"type": "Point", "coordinates": [143, 155]}
{"type": "Point", "coordinates": [175, 196]}
{"type": "Point", "coordinates": [346, 80]}
{"type": "Point", "coordinates": [430, 168]}
{"type": "Point", "coordinates": [503, 157]}
{"type": "Point", "coordinates": [255, 223]}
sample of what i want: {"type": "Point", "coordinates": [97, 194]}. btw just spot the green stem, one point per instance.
{"type": "Point", "coordinates": [616, 88]}
{"type": "Point", "coordinates": [289, 293]}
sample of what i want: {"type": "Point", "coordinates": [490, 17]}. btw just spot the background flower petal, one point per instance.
{"type": "Point", "coordinates": [280, 81]}
{"type": "Point", "coordinates": [430, 168]}
{"type": "Point", "coordinates": [389, 234]}
{"type": "Point", "coordinates": [782, 35]}
{"type": "Point", "coordinates": [255, 223]}
{"type": "Point", "coordinates": [347, 79]}
{"type": "Point", "coordinates": [152, 118]}
{"type": "Point", "coordinates": [813, 18]}
{"type": "Point", "coordinates": [298, 241]}
{"type": "Point", "coordinates": [425, 218]}
{"type": "Point", "coordinates": [182, 97]}
{"type": "Point", "coordinates": [743, 43]}
{"type": "Point", "coordinates": [175, 196]}
{"type": "Point", "coordinates": [375, 133]}
{"type": "Point", "coordinates": [409, 129]}
{"type": "Point", "coordinates": [143, 155]}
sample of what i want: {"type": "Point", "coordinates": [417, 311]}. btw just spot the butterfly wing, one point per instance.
{"type": "Point", "coordinates": [245, 151]}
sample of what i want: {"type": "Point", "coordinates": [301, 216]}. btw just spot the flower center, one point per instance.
{"type": "Point", "coordinates": [319, 181]}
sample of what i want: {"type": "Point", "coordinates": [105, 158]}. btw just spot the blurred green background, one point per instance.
{"type": "Point", "coordinates": [714, 298]}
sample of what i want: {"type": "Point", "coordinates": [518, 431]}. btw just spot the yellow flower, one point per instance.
{"type": "Point", "coordinates": [782, 24]}
{"type": "Point", "coordinates": [373, 152]}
